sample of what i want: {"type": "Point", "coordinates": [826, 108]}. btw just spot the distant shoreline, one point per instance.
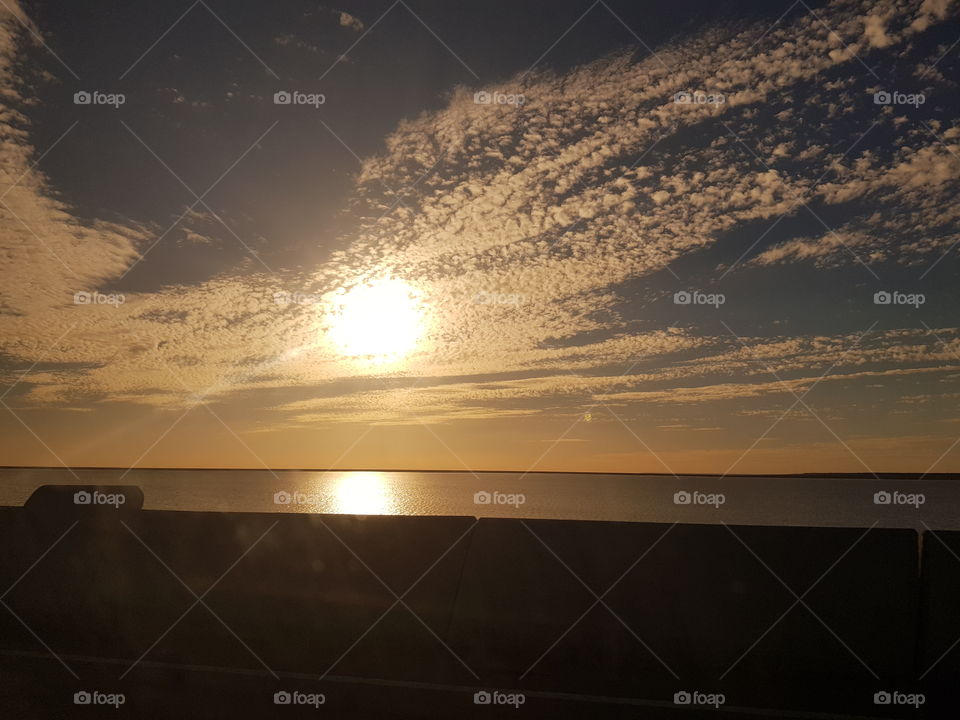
{"type": "Point", "coordinates": [826, 475]}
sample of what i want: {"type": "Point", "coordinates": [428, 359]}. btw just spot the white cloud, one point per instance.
{"type": "Point", "coordinates": [597, 180]}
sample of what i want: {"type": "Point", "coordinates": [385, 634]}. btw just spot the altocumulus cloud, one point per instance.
{"type": "Point", "coordinates": [598, 179]}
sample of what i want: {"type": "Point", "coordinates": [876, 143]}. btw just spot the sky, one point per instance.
{"type": "Point", "coordinates": [703, 237]}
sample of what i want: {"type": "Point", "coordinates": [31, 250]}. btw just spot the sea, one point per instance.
{"type": "Point", "coordinates": [932, 502]}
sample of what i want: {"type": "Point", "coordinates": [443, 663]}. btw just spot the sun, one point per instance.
{"type": "Point", "coordinates": [381, 320]}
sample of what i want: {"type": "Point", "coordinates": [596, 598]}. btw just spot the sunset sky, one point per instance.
{"type": "Point", "coordinates": [467, 240]}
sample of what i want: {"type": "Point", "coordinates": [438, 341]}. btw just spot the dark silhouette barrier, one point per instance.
{"type": "Point", "coordinates": [938, 657]}
{"type": "Point", "coordinates": [297, 589]}
{"type": "Point", "coordinates": [209, 614]}
{"type": "Point", "coordinates": [796, 618]}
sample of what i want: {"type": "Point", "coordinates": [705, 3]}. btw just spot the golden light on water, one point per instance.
{"type": "Point", "coordinates": [362, 493]}
{"type": "Point", "coordinates": [381, 320]}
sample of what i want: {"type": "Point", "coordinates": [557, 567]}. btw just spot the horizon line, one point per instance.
{"type": "Point", "coordinates": [829, 475]}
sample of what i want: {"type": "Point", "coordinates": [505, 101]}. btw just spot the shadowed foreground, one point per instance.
{"type": "Point", "coordinates": [187, 614]}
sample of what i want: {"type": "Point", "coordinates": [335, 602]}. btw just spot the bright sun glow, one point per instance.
{"type": "Point", "coordinates": [381, 319]}
{"type": "Point", "coordinates": [362, 494]}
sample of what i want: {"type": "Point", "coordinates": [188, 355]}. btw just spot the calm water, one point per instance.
{"type": "Point", "coordinates": [649, 498]}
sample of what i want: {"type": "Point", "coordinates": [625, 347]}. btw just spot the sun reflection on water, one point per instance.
{"type": "Point", "coordinates": [363, 493]}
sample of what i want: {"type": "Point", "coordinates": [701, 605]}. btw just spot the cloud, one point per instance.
{"type": "Point", "coordinates": [828, 249]}
{"type": "Point", "coordinates": [597, 181]}
{"type": "Point", "coordinates": [875, 31]}
{"type": "Point", "coordinates": [930, 12]}
{"type": "Point", "coordinates": [289, 40]}
{"type": "Point", "coordinates": [795, 387]}
{"type": "Point", "coordinates": [349, 21]}
{"type": "Point", "coordinates": [48, 254]}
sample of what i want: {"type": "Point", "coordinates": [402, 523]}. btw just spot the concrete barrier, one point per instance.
{"type": "Point", "coordinates": [626, 613]}
{"type": "Point", "coordinates": [938, 656]}
{"type": "Point", "coordinates": [288, 592]}
{"type": "Point", "coordinates": [700, 607]}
